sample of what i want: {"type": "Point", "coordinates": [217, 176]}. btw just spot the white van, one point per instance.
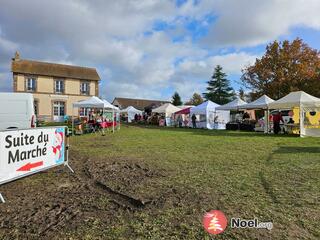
{"type": "Point", "coordinates": [16, 111]}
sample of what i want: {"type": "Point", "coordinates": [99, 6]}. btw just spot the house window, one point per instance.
{"type": "Point", "coordinates": [59, 86]}
{"type": "Point", "coordinates": [84, 88]}
{"type": "Point", "coordinates": [84, 112]}
{"type": "Point", "coordinates": [58, 109]}
{"type": "Point", "coordinates": [31, 84]}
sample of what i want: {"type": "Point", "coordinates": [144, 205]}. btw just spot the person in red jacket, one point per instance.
{"type": "Point", "coordinates": [276, 122]}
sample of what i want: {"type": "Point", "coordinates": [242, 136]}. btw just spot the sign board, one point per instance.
{"type": "Point", "coordinates": [25, 152]}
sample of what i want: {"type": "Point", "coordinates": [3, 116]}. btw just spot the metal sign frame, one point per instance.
{"type": "Point", "coordinates": [65, 162]}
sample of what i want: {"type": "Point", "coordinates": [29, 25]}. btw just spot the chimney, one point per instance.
{"type": "Point", "coordinates": [16, 56]}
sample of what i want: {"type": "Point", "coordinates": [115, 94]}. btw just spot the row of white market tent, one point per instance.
{"type": "Point", "coordinates": [213, 116]}
{"type": "Point", "coordinates": [167, 110]}
{"type": "Point", "coordinates": [206, 114]}
{"type": "Point", "coordinates": [97, 103]}
{"type": "Point", "coordinates": [210, 116]}
{"type": "Point", "coordinates": [308, 106]}
{"type": "Point", "coordinates": [131, 112]}
{"type": "Point", "coordinates": [303, 102]}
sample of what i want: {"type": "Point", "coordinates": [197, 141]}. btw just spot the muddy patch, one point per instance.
{"type": "Point", "coordinates": [129, 183]}
{"type": "Point", "coordinates": [57, 201]}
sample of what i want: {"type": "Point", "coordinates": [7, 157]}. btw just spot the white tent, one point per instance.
{"type": "Point", "coordinates": [209, 117]}
{"type": "Point", "coordinates": [167, 109]}
{"type": "Point", "coordinates": [305, 102]}
{"type": "Point", "coordinates": [234, 105]}
{"type": "Point", "coordinates": [95, 102]}
{"type": "Point", "coordinates": [131, 112]}
{"type": "Point", "coordinates": [295, 99]}
{"type": "Point", "coordinates": [261, 103]}
{"type": "Point", "coordinates": [108, 105]}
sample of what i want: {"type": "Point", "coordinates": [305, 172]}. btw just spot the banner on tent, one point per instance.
{"type": "Point", "coordinates": [168, 122]}
{"type": "Point", "coordinates": [310, 117]}
{"type": "Point", "coordinates": [25, 152]}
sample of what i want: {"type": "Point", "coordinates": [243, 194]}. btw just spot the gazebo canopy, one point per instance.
{"type": "Point", "coordinates": [166, 108]}
{"type": "Point", "coordinates": [184, 111]}
{"type": "Point", "coordinates": [234, 105]}
{"type": "Point", "coordinates": [295, 99]}
{"type": "Point", "coordinates": [260, 103]}
{"type": "Point", "coordinates": [213, 118]}
{"type": "Point", "coordinates": [131, 110]}
{"type": "Point", "coordinates": [108, 105]}
{"type": "Point", "coordinates": [94, 102]}
{"type": "Point", "coordinates": [204, 107]}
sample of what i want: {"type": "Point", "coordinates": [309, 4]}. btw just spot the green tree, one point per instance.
{"type": "Point", "coordinates": [176, 99]}
{"type": "Point", "coordinates": [195, 100]}
{"type": "Point", "coordinates": [219, 89]}
{"type": "Point", "coordinates": [243, 95]}
{"type": "Point", "coordinates": [285, 67]}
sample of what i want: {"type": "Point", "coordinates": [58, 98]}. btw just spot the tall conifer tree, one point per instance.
{"type": "Point", "coordinates": [219, 89]}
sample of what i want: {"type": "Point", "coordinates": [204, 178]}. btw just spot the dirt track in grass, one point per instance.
{"type": "Point", "coordinates": [56, 202]}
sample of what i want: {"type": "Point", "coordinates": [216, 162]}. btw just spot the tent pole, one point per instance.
{"type": "Point", "coordinates": [119, 120]}
{"type": "Point", "coordinates": [102, 122]}
{"type": "Point", "coordinates": [112, 120]}
{"type": "Point", "coordinates": [301, 120]}
{"type": "Point", "coordinates": [72, 119]}
{"type": "Point", "coordinates": [266, 127]}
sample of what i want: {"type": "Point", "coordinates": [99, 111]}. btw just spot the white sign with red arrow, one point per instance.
{"type": "Point", "coordinates": [24, 152]}
{"type": "Point", "coordinates": [30, 166]}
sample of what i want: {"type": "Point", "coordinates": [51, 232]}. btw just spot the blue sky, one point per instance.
{"type": "Point", "coordinates": [151, 48]}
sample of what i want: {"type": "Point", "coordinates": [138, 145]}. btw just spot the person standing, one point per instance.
{"type": "Point", "coordinates": [179, 120]}
{"type": "Point", "coordinates": [194, 119]}
{"type": "Point", "coordinates": [276, 122]}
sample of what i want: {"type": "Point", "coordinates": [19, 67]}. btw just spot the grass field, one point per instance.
{"type": "Point", "coordinates": [152, 183]}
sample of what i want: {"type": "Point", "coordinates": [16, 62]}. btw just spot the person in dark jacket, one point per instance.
{"type": "Point", "coordinates": [194, 119]}
{"type": "Point", "coordinates": [276, 122]}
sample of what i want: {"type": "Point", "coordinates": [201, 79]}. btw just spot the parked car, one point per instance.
{"type": "Point", "coordinates": [17, 111]}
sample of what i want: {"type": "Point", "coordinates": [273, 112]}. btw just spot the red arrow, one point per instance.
{"type": "Point", "coordinates": [28, 166]}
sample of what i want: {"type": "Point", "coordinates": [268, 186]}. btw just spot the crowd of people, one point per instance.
{"type": "Point", "coordinates": [179, 121]}
{"type": "Point", "coordinates": [139, 117]}
{"type": "Point", "coordinates": [95, 121]}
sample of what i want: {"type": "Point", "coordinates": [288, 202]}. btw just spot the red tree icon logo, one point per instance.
{"type": "Point", "coordinates": [215, 222]}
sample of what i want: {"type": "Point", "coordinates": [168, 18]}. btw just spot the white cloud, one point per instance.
{"type": "Point", "coordinates": [232, 63]}
{"type": "Point", "coordinates": [5, 82]}
{"type": "Point", "coordinates": [111, 36]}
{"type": "Point", "coordinates": [191, 75]}
{"type": "Point", "coordinates": [250, 22]}
{"type": "Point", "coordinates": [130, 90]}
